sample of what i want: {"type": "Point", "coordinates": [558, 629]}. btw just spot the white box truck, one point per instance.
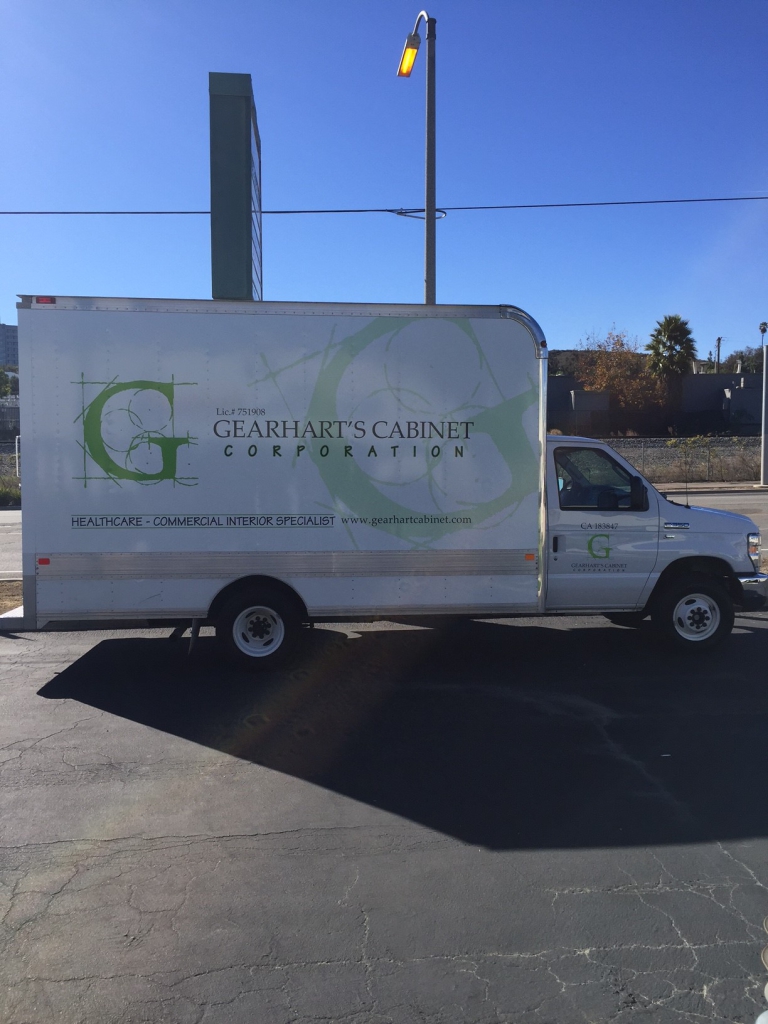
{"type": "Point", "coordinates": [258, 466]}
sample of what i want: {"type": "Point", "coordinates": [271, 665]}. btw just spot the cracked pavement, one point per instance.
{"type": "Point", "coordinates": [522, 822]}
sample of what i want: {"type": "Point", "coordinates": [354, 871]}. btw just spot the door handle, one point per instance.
{"type": "Point", "coordinates": [554, 544]}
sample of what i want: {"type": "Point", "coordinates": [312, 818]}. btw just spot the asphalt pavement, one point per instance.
{"type": "Point", "coordinates": [507, 822]}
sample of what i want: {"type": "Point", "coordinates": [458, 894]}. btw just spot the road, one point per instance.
{"type": "Point", "coordinates": [749, 502]}
{"type": "Point", "coordinates": [521, 821]}
{"type": "Point", "coordinates": [10, 544]}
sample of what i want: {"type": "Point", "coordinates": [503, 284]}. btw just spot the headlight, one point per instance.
{"type": "Point", "coordinates": [753, 548]}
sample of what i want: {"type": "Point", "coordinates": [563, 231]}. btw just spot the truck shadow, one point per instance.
{"type": "Point", "coordinates": [504, 735]}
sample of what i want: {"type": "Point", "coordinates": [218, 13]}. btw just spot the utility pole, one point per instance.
{"type": "Point", "coordinates": [718, 342]}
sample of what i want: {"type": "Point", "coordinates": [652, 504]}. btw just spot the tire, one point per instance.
{"type": "Point", "coordinates": [632, 620]}
{"type": "Point", "coordinates": [258, 629]}
{"type": "Point", "coordinates": [694, 613]}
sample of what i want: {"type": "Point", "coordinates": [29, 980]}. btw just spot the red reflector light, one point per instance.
{"type": "Point", "coordinates": [530, 558]}
{"type": "Point", "coordinates": [43, 561]}
{"type": "Point", "coordinates": [45, 300]}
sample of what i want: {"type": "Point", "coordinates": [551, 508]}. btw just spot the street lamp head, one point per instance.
{"type": "Point", "coordinates": [410, 50]}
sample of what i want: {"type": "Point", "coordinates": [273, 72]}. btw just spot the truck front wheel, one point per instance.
{"type": "Point", "coordinates": [695, 612]}
{"type": "Point", "coordinates": [257, 629]}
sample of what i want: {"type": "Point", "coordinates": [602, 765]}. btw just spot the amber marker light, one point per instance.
{"type": "Point", "coordinates": [410, 50]}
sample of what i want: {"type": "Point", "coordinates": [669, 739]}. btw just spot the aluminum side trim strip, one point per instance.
{"type": "Point", "coordinates": [329, 613]}
{"type": "Point", "coordinates": [285, 564]}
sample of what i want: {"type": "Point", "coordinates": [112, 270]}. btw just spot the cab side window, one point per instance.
{"type": "Point", "coordinates": [589, 479]}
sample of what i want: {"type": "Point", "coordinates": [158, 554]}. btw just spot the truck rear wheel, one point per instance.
{"type": "Point", "coordinates": [695, 612]}
{"type": "Point", "coordinates": [258, 628]}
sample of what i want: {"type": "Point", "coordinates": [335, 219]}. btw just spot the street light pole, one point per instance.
{"type": "Point", "coordinates": [430, 284]}
{"type": "Point", "coordinates": [764, 444]}
{"type": "Point", "coordinates": [404, 70]}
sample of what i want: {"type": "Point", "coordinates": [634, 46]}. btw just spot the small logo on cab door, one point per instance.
{"type": "Point", "coordinates": [597, 546]}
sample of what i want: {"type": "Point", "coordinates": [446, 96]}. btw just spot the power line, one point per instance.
{"type": "Point", "coordinates": [614, 202]}
{"type": "Point", "coordinates": [400, 211]}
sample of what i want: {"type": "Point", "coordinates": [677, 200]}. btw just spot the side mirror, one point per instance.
{"type": "Point", "coordinates": [638, 495]}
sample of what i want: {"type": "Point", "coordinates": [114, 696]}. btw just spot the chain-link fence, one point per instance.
{"type": "Point", "coordinates": [710, 459]}
{"type": "Point", "coordinates": [10, 458]}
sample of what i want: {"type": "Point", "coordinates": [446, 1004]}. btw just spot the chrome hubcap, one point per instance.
{"type": "Point", "coordinates": [258, 631]}
{"type": "Point", "coordinates": [696, 617]}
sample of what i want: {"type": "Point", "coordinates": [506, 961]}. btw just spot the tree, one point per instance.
{"type": "Point", "coordinates": [554, 364]}
{"type": "Point", "coordinates": [763, 329]}
{"type": "Point", "coordinates": [614, 364]}
{"type": "Point", "coordinates": [751, 360]}
{"type": "Point", "coordinates": [5, 384]}
{"type": "Point", "coordinates": [672, 348]}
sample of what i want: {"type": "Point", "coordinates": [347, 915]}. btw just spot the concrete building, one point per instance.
{"type": "Point", "coordinates": [9, 345]}
{"type": "Point", "coordinates": [711, 403]}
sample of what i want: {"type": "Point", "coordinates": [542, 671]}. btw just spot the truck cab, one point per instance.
{"type": "Point", "coordinates": [617, 546]}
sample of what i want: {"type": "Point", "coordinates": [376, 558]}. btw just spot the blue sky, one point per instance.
{"type": "Point", "coordinates": [105, 106]}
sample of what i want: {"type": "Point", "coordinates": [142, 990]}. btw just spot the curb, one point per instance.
{"type": "Point", "coordinates": [715, 488]}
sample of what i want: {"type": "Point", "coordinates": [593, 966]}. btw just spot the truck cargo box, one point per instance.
{"type": "Point", "coordinates": [371, 460]}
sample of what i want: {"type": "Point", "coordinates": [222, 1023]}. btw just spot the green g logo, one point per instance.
{"type": "Point", "coordinates": [128, 432]}
{"type": "Point", "coordinates": [597, 545]}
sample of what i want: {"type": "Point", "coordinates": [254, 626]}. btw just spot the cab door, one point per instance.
{"type": "Point", "coordinates": [603, 531]}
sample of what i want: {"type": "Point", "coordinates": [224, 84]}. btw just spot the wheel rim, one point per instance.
{"type": "Point", "coordinates": [258, 631]}
{"type": "Point", "coordinates": [696, 617]}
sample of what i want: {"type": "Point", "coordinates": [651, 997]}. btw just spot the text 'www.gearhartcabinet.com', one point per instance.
{"type": "Point", "coordinates": [222, 521]}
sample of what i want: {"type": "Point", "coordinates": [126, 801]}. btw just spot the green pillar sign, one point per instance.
{"type": "Point", "coordinates": [235, 189]}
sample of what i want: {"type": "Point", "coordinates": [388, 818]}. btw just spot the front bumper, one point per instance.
{"type": "Point", "coordinates": [755, 590]}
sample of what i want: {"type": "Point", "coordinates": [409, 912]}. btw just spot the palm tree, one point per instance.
{"type": "Point", "coordinates": [672, 347]}
{"type": "Point", "coordinates": [763, 329]}
{"type": "Point", "coordinates": [672, 351]}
